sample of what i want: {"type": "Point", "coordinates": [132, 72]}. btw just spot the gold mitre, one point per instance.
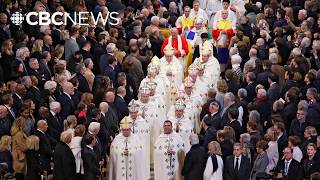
{"type": "Point", "coordinates": [168, 50]}
{"type": "Point", "coordinates": [126, 123]}
{"type": "Point", "coordinates": [206, 50]}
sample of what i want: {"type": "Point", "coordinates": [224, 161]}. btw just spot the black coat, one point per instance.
{"type": "Point", "coordinates": [233, 86]}
{"type": "Point", "coordinates": [273, 93]}
{"type": "Point", "coordinates": [230, 172]}
{"type": "Point", "coordinates": [67, 106]}
{"type": "Point", "coordinates": [226, 148]}
{"type": "Point", "coordinates": [33, 164]}
{"type": "Point", "coordinates": [236, 127]}
{"type": "Point", "coordinates": [295, 171]}
{"type": "Point", "coordinates": [194, 163]}
{"type": "Point", "coordinates": [64, 163]}
{"type": "Point", "coordinates": [210, 135]}
{"type": "Point", "coordinates": [55, 126]}
{"type": "Point", "coordinates": [45, 152]}
{"type": "Point", "coordinates": [121, 106]}
{"type": "Point", "coordinates": [224, 116]}
{"type": "Point", "coordinates": [251, 91]}
{"type": "Point", "coordinates": [83, 83]}
{"type": "Point", "coordinates": [216, 120]}
{"type": "Point", "coordinates": [282, 143]}
{"type": "Point", "coordinates": [90, 164]}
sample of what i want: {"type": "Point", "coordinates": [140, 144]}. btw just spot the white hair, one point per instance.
{"type": "Point", "coordinates": [306, 42]}
{"type": "Point", "coordinates": [44, 28]}
{"type": "Point", "coordinates": [236, 59]}
{"type": "Point", "coordinates": [273, 58]}
{"type": "Point", "coordinates": [155, 19]}
{"type": "Point", "coordinates": [93, 126]}
{"type": "Point", "coordinates": [50, 85]}
{"type": "Point", "coordinates": [194, 139]}
{"type": "Point", "coordinates": [296, 51]}
{"type": "Point", "coordinates": [262, 92]}
{"type": "Point", "coordinates": [111, 47]}
{"type": "Point", "coordinates": [20, 51]}
{"type": "Point", "coordinates": [54, 105]}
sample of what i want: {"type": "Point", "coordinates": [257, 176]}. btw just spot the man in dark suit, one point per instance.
{"type": "Point", "coordinates": [64, 161]}
{"type": "Point", "coordinates": [55, 126]}
{"type": "Point", "coordinates": [251, 86]}
{"type": "Point", "coordinates": [273, 92]}
{"type": "Point", "coordinates": [282, 141]}
{"type": "Point", "coordinates": [34, 92]}
{"type": "Point", "coordinates": [18, 97]}
{"type": "Point", "coordinates": [111, 71]}
{"type": "Point", "coordinates": [120, 103]}
{"type": "Point", "coordinates": [99, 49]}
{"type": "Point", "coordinates": [209, 132]}
{"type": "Point", "coordinates": [83, 83]}
{"type": "Point", "coordinates": [229, 103]}
{"type": "Point", "coordinates": [66, 99]}
{"type": "Point", "coordinates": [90, 162]}
{"type": "Point", "coordinates": [105, 59]}
{"type": "Point", "coordinates": [237, 166]}
{"type": "Point", "coordinates": [214, 110]}
{"type": "Point", "coordinates": [234, 123]}
{"type": "Point", "coordinates": [288, 167]}
{"type": "Point", "coordinates": [44, 146]}
{"type": "Point", "coordinates": [195, 161]}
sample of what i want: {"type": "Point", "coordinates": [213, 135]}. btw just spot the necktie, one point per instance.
{"type": "Point", "coordinates": [286, 167]}
{"type": "Point", "coordinates": [237, 165]}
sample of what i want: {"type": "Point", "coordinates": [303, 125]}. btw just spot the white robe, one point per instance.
{"type": "Point", "coordinates": [211, 69]}
{"type": "Point", "coordinates": [168, 167]}
{"type": "Point", "coordinates": [131, 167]}
{"type": "Point", "coordinates": [200, 13]}
{"type": "Point", "coordinates": [142, 129]}
{"type": "Point", "coordinates": [217, 175]}
{"type": "Point", "coordinates": [185, 129]}
{"type": "Point", "coordinates": [174, 81]}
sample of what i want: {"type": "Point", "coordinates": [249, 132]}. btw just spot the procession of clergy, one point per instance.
{"type": "Point", "coordinates": [156, 132]}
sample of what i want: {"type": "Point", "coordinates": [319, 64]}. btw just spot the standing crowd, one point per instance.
{"type": "Point", "coordinates": [176, 89]}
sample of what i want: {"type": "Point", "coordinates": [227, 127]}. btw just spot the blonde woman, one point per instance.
{"type": "Point", "coordinates": [36, 51]}
{"type": "Point", "coordinates": [5, 151]}
{"type": "Point", "coordinates": [19, 147]}
{"type": "Point", "coordinates": [33, 162]}
{"type": "Point", "coordinates": [222, 89]}
{"type": "Point", "coordinates": [214, 166]}
{"type": "Point", "coordinates": [7, 58]}
{"type": "Point", "coordinates": [70, 123]}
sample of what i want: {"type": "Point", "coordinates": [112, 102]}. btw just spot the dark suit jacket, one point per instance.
{"type": "Point", "coordinates": [215, 120]}
{"type": "Point", "coordinates": [17, 103]}
{"type": "Point", "coordinates": [194, 163]}
{"type": "Point", "coordinates": [273, 93]}
{"type": "Point", "coordinates": [282, 143]}
{"type": "Point", "coordinates": [121, 106]}
{"type": "Point", "coordinates": [83, 83]}
{"type": "Point", "coordinates": [210, 135]}
{"type": "Point", "coordinates": [104, 62]}
{"type": "Point", "coordinates": [251, 91]}
{"type": "Point", "coordinates": [236, 127]}
{"type": "Point", "coordinates": [64, 163]}
{"type": "Point", "coordinates": [67, 106]}
{"type": "Point", "coordinates": [233, 86]}
{"type": "Point", "coordinates": [295, 171]}
{"type": "Point", "coordinates": [231, 174]}
{"type": "Point", "coordinates": [225, 117]}
{"type": "Point", "coordinates": [55, 127]}
{"type": "Point", "coordinates": [44, 151]}
{"type": "Point", "coordinates": [111, 73]}
{"type": "Point", "coordinates": [35, 95]}
{"type": "Point", "coordinates": [90, 164]}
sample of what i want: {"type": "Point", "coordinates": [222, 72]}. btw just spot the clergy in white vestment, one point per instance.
{"type": "Point", "coordinates": [181, 124]}
{"type": "Point", "coordinates": [141, 128]}
{"type": "Point", "coordinates": [238, 6]}
{"type": "Point", "coordinates": [231, 14]}
{"type": "Point", "coordinates": [197, 11]}
{"type": "Point", "coordinates": [212, 7]}
{"type": "Point", "coordinates": [194, 35]}
{"type": "Point", "coordinates": [168, 154]}
{"type": "Point", "coordinates": [172, 72]}
{"type": "Point", "coordinates": [210, 65]}
{"type": "Point", "coordinates": [127, 158]}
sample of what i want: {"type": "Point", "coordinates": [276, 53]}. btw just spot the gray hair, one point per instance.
{"type": "Point", "coordinates": [273, 58]}
{"type": "Point", "coordinates": [194, 139]}
{"type": "Point", "coordinates": [93, 126]}
{"type": "Point", "coordinates": [65, 135]}
{"type": "Point", "coordinates": [254, 115]}
{"type": "Point", "coordinates": [306, 42]}
{"type": "Point", "coordinates": [242, 93]}
{"type": "Point", "coordinates": [20, 51]}
{"type": "Point", "coordinates": [54, 105]}
{"type": "Point", "coordinates": [246, 137]}
{"type": "Point", "coordinates": [50, 85]}
{"type": "Point", "coordinates": [111, 47]}
{"type": "Point", "coordinates": [303, 104]}
{"type": "Point", "coordinates": [87, 61]}
{"type": "Point", "coordinates": [78, 68]}
{"type": "Point", "coordinates": [230, 96]}
{"type": "Point", "coordinates": [25, 79]}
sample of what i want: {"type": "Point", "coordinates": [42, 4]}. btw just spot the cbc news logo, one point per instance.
{"type": "Point", "coordinates": [17, 18]}
{"type": "Point", "coordinates": [59, 18]}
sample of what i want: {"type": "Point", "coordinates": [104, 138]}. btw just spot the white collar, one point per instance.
{"type": "Point", "coordinates": [89, 147]}
{"type": "Point", "coordinates": [40, 131]}
{"type": "Point", "coordinates": [53, 113]}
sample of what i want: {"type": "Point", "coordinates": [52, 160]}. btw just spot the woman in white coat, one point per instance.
{"type": "Point", "coordinates": [214, 166]}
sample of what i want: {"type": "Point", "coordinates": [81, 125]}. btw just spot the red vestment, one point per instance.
{"type": "Point", "coordinates": [175, 45]}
